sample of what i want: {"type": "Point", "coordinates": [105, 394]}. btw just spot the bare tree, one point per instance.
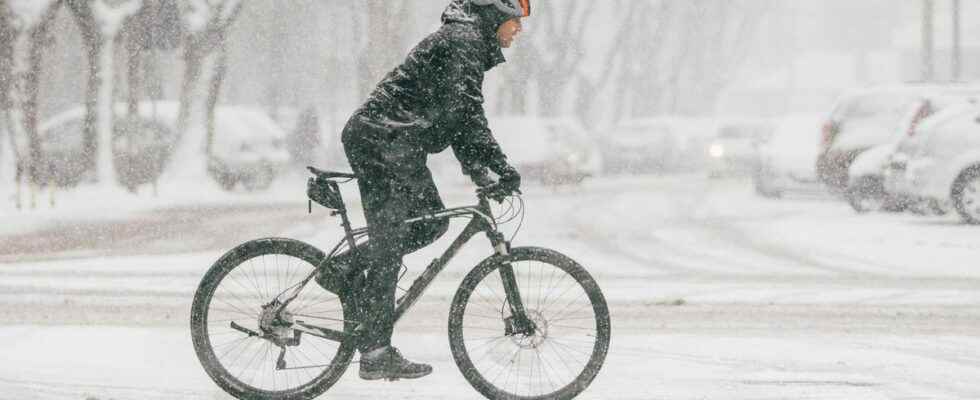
{"type": "Point", "coordinates": [671, 57]}
{"type": "Point", "coordinates": [25, 32]}
{"type": "Point", "coordinates": [100, 22]}
{"type": "Point", "coordinates": [552, 57]}
{"type": "Point", "coordinates": [7, 38]}
{"type": "Point", "coordinates": [206, 23]}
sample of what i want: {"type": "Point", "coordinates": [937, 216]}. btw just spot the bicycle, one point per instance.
{"type": "Point", "coordinates": [526, 322]}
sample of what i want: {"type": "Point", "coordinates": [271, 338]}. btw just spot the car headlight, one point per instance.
{"type": "Point", "coordinates": [716, 150]}
{"type": "Point", "coordinates": [573, 158]}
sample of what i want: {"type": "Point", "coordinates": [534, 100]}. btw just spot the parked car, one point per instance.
{"type": "Point", "coordinates": [638, 146]}
{"type": "Point", "coordinates": [661, 144]}
{"type": "Point", "coordinates": [785, 162]}
{"type": "Point", "coordinates": [865, 189]}
{"type": "Point", "coordinates": [140, 146]}
{"type": "Point", "coordinates": [732, 151]}
{"type": "Point", "coordinates": [551, 151]}
{"type": "Point", "coordinates": [249, 148]}
{"type": "Point", "coordinates": [865, 118]}
{"type": "Point", "coordinates": [62, 161]}
{"type": "Point", "coordinates": [941, 165]}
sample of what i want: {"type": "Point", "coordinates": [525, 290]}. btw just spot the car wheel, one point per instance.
{"type": "Point", "coordinates": [867, 194]}
{"type": "Point", "coordinates": [936, 207]}
{"type": "Point", "coordinates": [966, 195]}
{"type": "Point", "coordinates": [226, 182]}
{"type": "Point", "coordinates": [261, 180]}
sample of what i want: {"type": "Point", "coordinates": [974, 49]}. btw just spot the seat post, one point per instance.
{"type": "Point", "coordinates": [342, 211]}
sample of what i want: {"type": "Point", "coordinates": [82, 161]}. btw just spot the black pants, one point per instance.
{"type": "Point", "coordinates": [395, 185]}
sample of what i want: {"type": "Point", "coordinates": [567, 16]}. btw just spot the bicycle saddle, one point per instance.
{"type": "Point", "coordinates": [330, 174]}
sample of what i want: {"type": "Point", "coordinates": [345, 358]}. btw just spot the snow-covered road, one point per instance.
{"type": "Point", "coordinates": [714, 293]}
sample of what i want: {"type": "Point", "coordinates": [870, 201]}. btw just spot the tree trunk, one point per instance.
{"type": "Point", "coordinates": [93, 48]}
{"type": "Point", "coordinates": [105, 110]}
{"type": "Point", "coordinates": [7, 37]}
{"type": "Point", "coordinates": [134, 78]}
{"type": "Point", "coordinates": [190, 162]}
{"type": "Point", "coordinates": [188, 116]}
{"type": "Point", "coordinates": [382, 31]}
{"type": "Point", "coordinates": [214, 93]}
{"type": "Point", "coordinates": [203, 54]}
{"type": "Point", "coordinates": [32, 82]}
{"type": "Point", "coordinates": [91, 40]}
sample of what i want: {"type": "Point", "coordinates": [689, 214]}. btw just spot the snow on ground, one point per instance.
{"type": "Point", "coordinates": [93, 202]}
{"type": "Point", "coordinates": [714, 294]}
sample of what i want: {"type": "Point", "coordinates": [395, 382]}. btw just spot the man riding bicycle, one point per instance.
{"type": "Point", "coordinates": [432, 101]}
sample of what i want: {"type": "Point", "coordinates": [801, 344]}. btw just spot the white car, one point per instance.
{"type": "Point", "coordinates": [866, 189]}
{"type": "Point", "coordinates": [733, 150]}
{"type": "Point", "coordinates": [249, 148]}
{"type": "Point", "coordinates": [552, 151]}
{"type": "Point", "coordinates": [942, 164]}
{"type": "Point", "coordinates": [141, 147]}
{"type": "Point", "coordinates": [787, 161]}
{"type": "Point", "coordinates": [867, 117]}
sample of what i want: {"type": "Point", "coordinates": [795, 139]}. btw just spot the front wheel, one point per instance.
{"type": "Point", "coordinates": [569, 329]}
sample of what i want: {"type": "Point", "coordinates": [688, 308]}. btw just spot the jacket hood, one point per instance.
{"type": "Point", "coordinates": [486, 19]}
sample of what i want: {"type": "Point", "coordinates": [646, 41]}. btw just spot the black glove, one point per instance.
{"type": "Point", "coordinates": [510, 179]}
{"type": "Point", "coordinates": [481, 178]}
{"type": "Point", "coordinates": [508, 184]}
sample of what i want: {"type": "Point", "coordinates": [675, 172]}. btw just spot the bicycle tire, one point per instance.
{"type": "Point", "coordinates": [517, 258]}
{"type": "Point", "coordinates": [201, 307]}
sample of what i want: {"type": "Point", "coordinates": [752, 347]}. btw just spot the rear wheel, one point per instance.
{"type": "Point", "coordinates": [867, 194]}
{"type": "Point", "coordinates": [559, 357]}
{"type": "Point", "coordinates": [253, 352]}
{"type": "Point", "coordinates": [966, 195]}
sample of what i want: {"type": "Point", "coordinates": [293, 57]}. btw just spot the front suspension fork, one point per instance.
{"type": "Point", "coordinates": [518, 322]}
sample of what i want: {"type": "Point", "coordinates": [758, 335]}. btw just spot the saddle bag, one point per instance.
{"type": "Point", "coordinates": [325, 193]}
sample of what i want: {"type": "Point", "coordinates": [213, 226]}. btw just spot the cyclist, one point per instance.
{"type": "Point", "coordinates": [432, 101]}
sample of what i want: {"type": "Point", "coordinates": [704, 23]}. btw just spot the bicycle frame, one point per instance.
{"type": "Point", "coordinates": [481, 220]}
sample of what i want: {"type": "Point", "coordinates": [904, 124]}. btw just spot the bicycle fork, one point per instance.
{"type": "Point", "coordinates": [518, 322]}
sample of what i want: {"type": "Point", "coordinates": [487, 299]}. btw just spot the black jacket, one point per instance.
{"type": "Point", "coordinates": [434, 100]}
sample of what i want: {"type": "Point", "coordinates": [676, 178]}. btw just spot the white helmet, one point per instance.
{"type": "Point", "coordinates": [522, 9]}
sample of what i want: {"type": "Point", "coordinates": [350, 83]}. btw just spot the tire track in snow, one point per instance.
{"type": "Point", "coordinates": [660, 252]}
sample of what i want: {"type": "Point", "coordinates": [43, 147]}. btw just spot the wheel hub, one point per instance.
{"type": "Point", "coordinates": [537, 336]}
{"type": "Point", "coordinates": [276, 323]}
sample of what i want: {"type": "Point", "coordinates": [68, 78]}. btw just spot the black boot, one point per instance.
{"type": "Point", "coordinates": [391, 365]}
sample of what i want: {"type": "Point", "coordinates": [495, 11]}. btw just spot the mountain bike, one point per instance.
{"type": "Point", "coordinates": [526, 322]}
